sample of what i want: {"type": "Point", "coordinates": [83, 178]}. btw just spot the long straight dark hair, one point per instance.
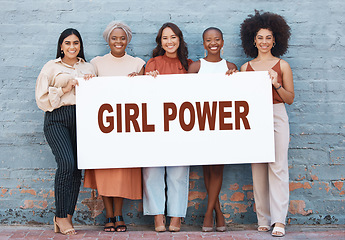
{"type": "Point", "coordinates": [182, 51]}
{"type": "Point", "coordinates": [63, 35]}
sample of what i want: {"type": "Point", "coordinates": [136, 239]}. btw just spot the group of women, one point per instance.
{"type": "Point", "coordinates": [264, 37]}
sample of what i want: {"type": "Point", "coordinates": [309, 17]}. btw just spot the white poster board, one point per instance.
{"type": "Point", "coordinates": [144, 121]}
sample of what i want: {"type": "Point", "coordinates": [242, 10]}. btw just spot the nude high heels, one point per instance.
{"type": "Point", "coordinates": [57, 229]}
{"type": "Point", "coordinates": [159, 228]}
{"type": "Point", "coordinates": [173, 228]}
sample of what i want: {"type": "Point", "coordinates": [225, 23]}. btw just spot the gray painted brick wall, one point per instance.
{"type": "Point", "coordinates": [29, 31]}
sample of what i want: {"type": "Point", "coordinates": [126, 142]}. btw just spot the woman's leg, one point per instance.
{"type": "Point", "coordinates": [208, 219]}
{"type": "Point", "coordinates": [154, 195]}
{"type": "Point", "coordinates": [177, 194]}
{"type": "Point", "coordinates": [109, 213]}
{"type": "Point", "coordinates": [219, 214]}
{"type": "Point", "coordinates": [261, 193]}
{"type": "Point", "coordinates": [57, 125]}
{"type": "Point", "coordinates": [76, 177]}
{"type": "Point", "coordinates": [278, 171]}
{"type": "Point", "coordinates": [220, 221]}
{"type": "Point", "coordinates": [153, 190]}
{"type": "Point", "coordinates": [119, 225]}
{"type": "Point", "coordinates": [213, 176]}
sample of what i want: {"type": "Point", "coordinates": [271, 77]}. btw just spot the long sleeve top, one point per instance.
{"type": "Point", "coordinates": [55, 75]}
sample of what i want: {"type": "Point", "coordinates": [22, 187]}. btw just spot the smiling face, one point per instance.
{"type": "Point", "coordinates": [70, 47]}
{"type": "Point", "coordinates": [213, 41]}
{"type": "Point", "coordinates": [170, 42]}
{"type": "Point", "coordinates": [118, 42]}
{"type": "Point", "coordinates": [264, 40]}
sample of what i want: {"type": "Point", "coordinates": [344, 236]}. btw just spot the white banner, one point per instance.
{"type": "Point", "coordinates": [172, 120]}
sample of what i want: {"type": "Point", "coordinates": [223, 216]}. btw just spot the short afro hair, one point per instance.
{"type": "Point", "coordinates": [212, 28]}
{"type": "Point", "coordinates": [266, 20]}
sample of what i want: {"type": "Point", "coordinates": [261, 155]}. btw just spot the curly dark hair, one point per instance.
{"type": "Point", "coordinates": [182, 51]}
{"type": "Point", "coordinates": [266, 20]}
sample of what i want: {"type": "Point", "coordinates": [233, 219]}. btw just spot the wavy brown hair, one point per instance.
{"type": "Point", "coordinates": [266, 20]}
{"type": "Point", "coordinates": [182, 51]}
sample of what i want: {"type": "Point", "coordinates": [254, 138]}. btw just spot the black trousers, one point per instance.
{"type": "Point", "coordinates": [60, 132]}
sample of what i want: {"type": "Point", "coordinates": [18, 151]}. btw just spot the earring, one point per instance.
{"type": "Point", "coordinates": [222, 51]}
{"type": "Point", "coordinates": [254, 44]}
{"type": "Point", "coordinates": [62, 53]}
{"type": "Point", "coordinates": [205, 53]}
{"type": "Point", "coordinates": [274, 44]}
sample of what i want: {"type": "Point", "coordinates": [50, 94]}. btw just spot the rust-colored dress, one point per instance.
{"type": "Point", "coordinates": [116, 182]}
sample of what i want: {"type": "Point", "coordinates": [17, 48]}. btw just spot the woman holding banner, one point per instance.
{"type": "Point", "coordinates": [213, 174]}
{"type": "Point", "coordinates": [55, 94]}
{"type": "Point", "coordinates": [169, 57]}
{"type": "Point", "coordinates": [116, 184]}
{"type": "Point", "coordinates": [265, 37]}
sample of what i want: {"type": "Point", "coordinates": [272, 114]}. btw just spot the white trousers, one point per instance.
{"type": "Point", "coordinates": [177, 188]}
{"type": "Point", "coordinates": [271, 180]}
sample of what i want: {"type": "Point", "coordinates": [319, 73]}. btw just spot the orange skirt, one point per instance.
{"type": "Point", "coordinates": [115, 182]}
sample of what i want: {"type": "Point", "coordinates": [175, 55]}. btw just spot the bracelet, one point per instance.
{"type": "Point", "coordinates": [277, 87]}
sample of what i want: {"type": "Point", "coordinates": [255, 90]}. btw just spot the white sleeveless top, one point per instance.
{"type": "Point", "coordinates": [213, 67]}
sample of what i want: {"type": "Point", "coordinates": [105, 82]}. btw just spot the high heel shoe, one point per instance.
{"type": "Point", "coordinates": [221, 228]}
{"type": "Point", "coordinates": [57, 229]}
{"type": "Point", "coordinates": [173, 228]}
{"type": "Point", "coordinates": [207, 229]}
{"type": "Point", "coordinates": [160, 228]}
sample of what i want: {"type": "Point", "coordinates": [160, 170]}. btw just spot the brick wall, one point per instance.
{"type": "Point", "coordinates": [29, 31]}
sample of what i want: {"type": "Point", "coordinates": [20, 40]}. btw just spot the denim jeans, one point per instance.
{"type": "Point", "coordinates": [177, 188]}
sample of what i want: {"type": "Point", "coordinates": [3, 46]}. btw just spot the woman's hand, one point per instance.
{"type": "Point", "coordinates": [153, 73]}
{"type": "Point", "coordinates": [274, 78]}
{"type": "Point", "coordinates": [88, 76]}
{"type": "Point", "coordinates": [70, 85]}
{"type": "Point", "coordinates": [133, 74]}
{"type": "Point", "coordinates": [231, 71]}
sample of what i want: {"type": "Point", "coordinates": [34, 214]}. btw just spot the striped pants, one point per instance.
{"type": "Point", "coordinates": [60, 132]}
